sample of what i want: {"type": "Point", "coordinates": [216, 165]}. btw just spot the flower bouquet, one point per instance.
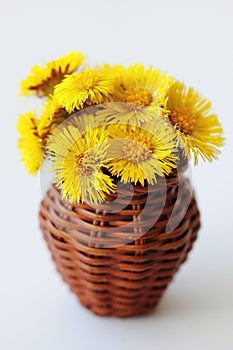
{"type": "Point", "coordinates": [120, 216]}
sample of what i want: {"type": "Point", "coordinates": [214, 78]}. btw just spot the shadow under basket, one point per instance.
{"type": "Point", "coordinates": [119, 261]}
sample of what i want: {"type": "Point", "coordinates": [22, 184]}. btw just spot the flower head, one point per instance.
{"type": "Point", "coordinates": [141, 154]}
{"type": "Point", "coordinates": [198, 129]}
{"type": "Point", "coordinates": [140, 86]}
{"type": "Point", "coordinates": [41, 80]}
{"type": "Point", "coordinates": [30, 143]}
{"type": "Point", "coordinates": [78, 160]}
{"type": "Point", "coordinates": [84, 88]}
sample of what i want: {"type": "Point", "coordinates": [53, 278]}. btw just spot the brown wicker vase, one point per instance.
{"type": "Point", "coordinates": [124, 271]}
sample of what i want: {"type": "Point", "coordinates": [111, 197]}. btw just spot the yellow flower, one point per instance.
{"type": "Point", "coordinates": [141, 154]}
{"type": "Point", "coordinates": [140, 86]}
{"type": "Point", "coordinates": [84, 88]}
{"type": "Point", "coordinates": [78, 160]}
{"type": "Point", "coordinates": [34, 133]}
{"type": "Point", "coordinates": [30, 143]}
{"type": "Point", "coordinates": [41, 80]}
{"type": "Point", "coordinates": [198, 129]}
{"type": "Point", "coordinates": [52, 115]}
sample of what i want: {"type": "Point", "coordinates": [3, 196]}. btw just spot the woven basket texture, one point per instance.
{"type": "Point", "coordinates": [120, 262]}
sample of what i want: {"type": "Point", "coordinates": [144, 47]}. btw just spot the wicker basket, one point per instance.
{"type": "Point", "coordinates": [124, 272]}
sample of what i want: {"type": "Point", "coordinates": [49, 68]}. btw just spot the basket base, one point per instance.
{"type": "Point", "coordinates": [125, 311]}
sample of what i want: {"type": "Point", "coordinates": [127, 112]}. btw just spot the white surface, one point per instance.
{"type": "Point", "coordinates": [193, 41]}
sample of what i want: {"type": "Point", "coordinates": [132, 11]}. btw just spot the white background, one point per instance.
{"type": "Point", "coordinates": [193, 41]}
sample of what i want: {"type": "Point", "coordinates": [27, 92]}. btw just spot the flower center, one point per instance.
{"type": "Point", "coordinates": [86, 80]}
{"type": "Point", "coordinates": [78, 160]}
{"type": "Point", "coordinates": [137, 96]}
{"type": "Point", "coordinates": [183, 119]}
{"type": "Point", "coordinates": [137, 149]}
{"type": "Point", "coordinates": [83, 169]}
